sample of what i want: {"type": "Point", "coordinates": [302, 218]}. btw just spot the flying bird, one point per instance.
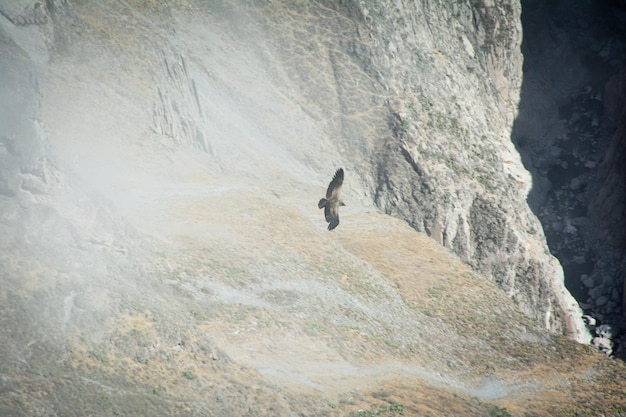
{"type": "Point", "coordinates": [331, 203]}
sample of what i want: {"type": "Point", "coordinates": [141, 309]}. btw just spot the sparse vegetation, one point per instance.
{"type": "Point", "coordinates": [142, 360]}
{"type": "Point", "coordinates": [496, 411]}
{"type": "Point", "coordinates": [391, 410]}
{"type": "Point", "coordinates": [201, 299]}
{"type": "Point", "coordinates": [98, 356]}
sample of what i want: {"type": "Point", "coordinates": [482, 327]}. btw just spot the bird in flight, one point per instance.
{"type": "Point", "coordinates": [331, 203]}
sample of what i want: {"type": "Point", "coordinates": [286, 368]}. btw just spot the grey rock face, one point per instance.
{"type": "Point", "coordinates": [26, 173]}
{"type": "Point", "coordinates": [449, 167]}
{"type": "Point", "coordinates": [429, 152]}
{"type": "Point", "coordinates": [23, 13]}
{"type": "Point", "coordinates": [38, 206]}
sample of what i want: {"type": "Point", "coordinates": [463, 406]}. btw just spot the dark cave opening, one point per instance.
{"type": "Point", "coordinates": [572, 50]}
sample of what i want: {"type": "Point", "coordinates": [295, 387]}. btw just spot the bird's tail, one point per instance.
{"type": "Point", "coordinates": [322, 203]}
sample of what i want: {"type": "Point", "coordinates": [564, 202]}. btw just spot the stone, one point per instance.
{"type": "Point", "coordinates": [575, 184]}
{"type": "Point", "coordinates": [596, 292]}
{"type": "Point", "coordinates": [589, 320]}
{"type": "Point", "coordinates": [555, 151]}
{"type": "Point", "coordinates": [569, 228]}
{"type": "Point", "coordinates": [601, 300]}
{"type": "Point", "coordinates": [608, 331]}
{"type": "Point", "coordinates": [579, 221]}
{"type": "Point", "coordinates": [603, 344]}
{"type": "Point", "coordinates": [587, 281]}
{"type": "Point", "coordinates": [615, 295]}
{"type": "Point", "coordinates": [608, 281]}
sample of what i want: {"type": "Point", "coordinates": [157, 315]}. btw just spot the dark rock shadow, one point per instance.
{"type": "Point", "coordinates": [572, 50]}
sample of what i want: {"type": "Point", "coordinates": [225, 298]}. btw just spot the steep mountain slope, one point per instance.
{"type": "Point", "coordinates": [162, 252]}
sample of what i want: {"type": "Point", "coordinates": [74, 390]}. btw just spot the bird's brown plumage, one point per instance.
{"type": "Point", "coordinates": [331, 203]}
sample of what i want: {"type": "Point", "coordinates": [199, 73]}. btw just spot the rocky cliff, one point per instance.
{"type": "Point", "coordinates": [465, 185]}
{"type": "Point", "coordinates": [162, 251]}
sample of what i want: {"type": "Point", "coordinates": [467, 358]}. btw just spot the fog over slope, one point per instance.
{"type": "Point", "coordinates": [162, 249]}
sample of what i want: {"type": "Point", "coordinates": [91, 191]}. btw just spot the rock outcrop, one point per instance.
{"type": "Point", "coordinates": [448, 165]}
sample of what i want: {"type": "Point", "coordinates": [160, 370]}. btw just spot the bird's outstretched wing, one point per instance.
{"type": "Point", "coordinates": [331, 212]}
{"type": "Point", "coordinates": [334, 188]}
{"type": "Point", "coordinates": [332, 202]}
